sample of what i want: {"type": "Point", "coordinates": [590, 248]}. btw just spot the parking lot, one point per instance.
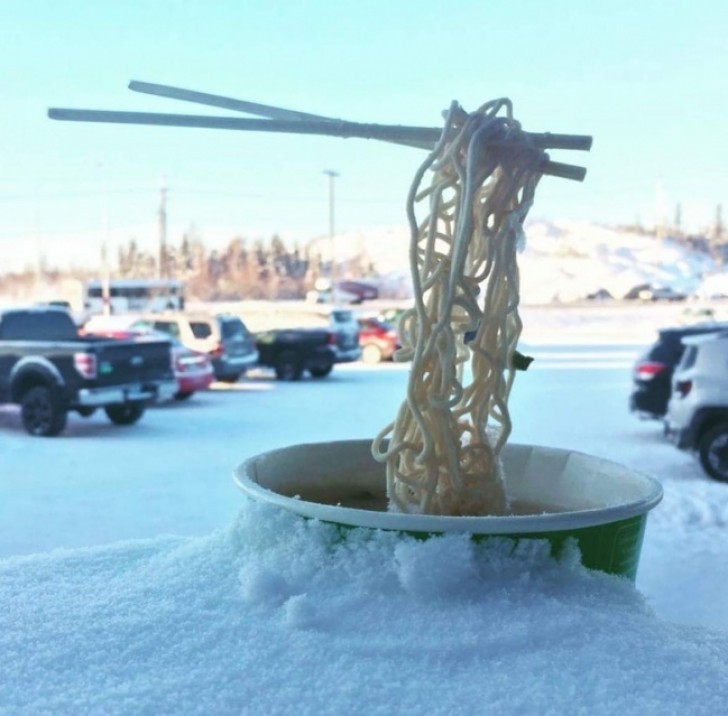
{"type": "Point", "coordinates": [170, 473]}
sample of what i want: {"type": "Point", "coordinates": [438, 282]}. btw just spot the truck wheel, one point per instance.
{"type": "Point", "coordinates": [229, 377]}
{"type": "Point", "coordinates": [713, 451]}
{"type": "Point", "coordinates": [124, 413]}
{"type": "Point", "coordinates": [41, 412]}
{"type": "Point", "coordinates": [288, 367]}
{"type": "Point", "coordinates": [321, 371]}
{"type": "Point", "coordinates": [85, 411]}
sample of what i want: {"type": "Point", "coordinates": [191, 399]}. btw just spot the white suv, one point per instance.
{"type": "Point", "coordinates": [697, 413]}
{"type": "Point", "coordinates": [224, 338]}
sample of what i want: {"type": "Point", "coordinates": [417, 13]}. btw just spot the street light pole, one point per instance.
{"type": "Point", "coordinates": [332, 175]}
{"type": "Point", "coordinates": [162, 261]}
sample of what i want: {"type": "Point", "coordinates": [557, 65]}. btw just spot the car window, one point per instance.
{"type": "Point", "coordinates": [231, 328]}
{"type": "Point", "coordinates": [168, 327]}
{"type": "Point", "coordinates": [664, 353]}
{"type": "Point", "coordinates": [340, 316]}
{"type": "Point", "coordinates": [200, 329]}
{"type": "Point", "coordinates": [668, 349]}
{"type": "Point", "coordinates": [55, 325]}
{"type": "Point", "coordinates": [689, 357]}
{"type": "Point", "coordinates": [141, 325]}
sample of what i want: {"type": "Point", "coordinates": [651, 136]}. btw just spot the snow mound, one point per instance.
{"type": "Point", "coordinates": [280, 615]}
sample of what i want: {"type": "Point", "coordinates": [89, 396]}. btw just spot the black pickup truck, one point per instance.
{"type": "Point", "coordinates": [294, 339]}
{"type": "Point", "coordinates": [291, 351]}
{"type": "Point", "coordinates": [49, 370]}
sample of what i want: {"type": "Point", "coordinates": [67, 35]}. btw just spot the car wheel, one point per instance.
{"type": "Point", "coordinates": [85, 411]}
{"type": "Point", "coordinates": [124, 413]}
{"type": "Point", "coordinates": [183, 396]}
{"type": "Point", "coordinates": [321, 371]}
{"type": "Point", "coordinates": [229, 378]}
{"type": "Point", "coordinates": [41, 412]}
{"type": "Point", "coordinates": [371, 353]}
{"type": "Point", "coordinates": [713, 451]}
{"type": "Point", "coordinates": [288, 367]}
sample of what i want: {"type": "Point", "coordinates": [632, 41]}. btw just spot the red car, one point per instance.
{"type": "Point", "coordinates": [193, 370]}
{"type": "Point", "coordinates": [378, 340]}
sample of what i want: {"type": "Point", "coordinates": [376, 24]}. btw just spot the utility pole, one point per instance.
{"type": "Point", "coordinates": [660, 210]}
{"type": "Point", "coordinates": [332, 175]}
{"type": "Point", "coordinates": [105, 267]}
{"type": "Point", "coordinates": [162, 267]}
{"type": "Point", "coordinates": [38, 278]}
{"type": "Point", "coordinates": [718, 223]}
{"type": "Point", "coordinates": [105, 273]}
{"type": "Point", "coordinates": [678, 220]}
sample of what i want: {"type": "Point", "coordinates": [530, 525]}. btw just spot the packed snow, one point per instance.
{"type": "Point", "coordinates": [136, 579]}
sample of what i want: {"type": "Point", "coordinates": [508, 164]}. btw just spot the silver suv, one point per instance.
{"type": "Point", "coordinates": [697, 413]}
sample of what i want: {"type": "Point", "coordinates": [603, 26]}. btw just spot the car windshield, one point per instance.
{"type": "Point", "coordinates": [200, 329]}
{"type": "Point", "coordinates": [340, 316]}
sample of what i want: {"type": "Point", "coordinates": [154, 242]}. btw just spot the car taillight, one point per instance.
{"type": "Point", "coordinates": [683, 387]}
{"type": "Point", "coordinates": [178, 362]}
{"type": "Point", "coordinates": [187, 361]}
{"type": "Point", "coordinates": [85, 364]}
{"type": "Point", "coordinates": [217, 351]}
{"type": "Point", "coordinates": [331, 340]}
{"type": "Point", "coordinates": [647, 370]}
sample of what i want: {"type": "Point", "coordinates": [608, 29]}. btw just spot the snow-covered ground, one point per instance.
{"type": "Point", "coordinates": [135, 578]}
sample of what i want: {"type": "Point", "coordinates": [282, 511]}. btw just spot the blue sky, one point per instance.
{"type": "Point", "coordinates": [647, 79]}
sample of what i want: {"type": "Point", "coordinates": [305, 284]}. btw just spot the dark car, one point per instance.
{"type": "Point", "coordinates": [652, 373]}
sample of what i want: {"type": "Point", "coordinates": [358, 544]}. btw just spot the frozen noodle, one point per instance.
{"type": "Point", "coordinates": [442, 450]}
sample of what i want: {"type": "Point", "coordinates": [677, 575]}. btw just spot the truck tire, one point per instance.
{"type": "Point", "coordinates": [124, 413]}
{"type": "Point", "coordinates": [322, 370]}
{"type": "Point", "coordinates": [713, 452]}
{"type": "Point", "coordinates": [41, 412]}
{"type": "Point", "coordinates": [288, 366]}
{"type": "Point", "coordinates": [229, 377]}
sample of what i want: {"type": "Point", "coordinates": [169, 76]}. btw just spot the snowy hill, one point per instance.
{"type": "Point", "coordinates": [563, 261]}
{"type": "Point", "coordinates": [568, 261]}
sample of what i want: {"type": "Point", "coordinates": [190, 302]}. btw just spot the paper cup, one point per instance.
{"type": "Point", "coordinates": [559, 494]}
